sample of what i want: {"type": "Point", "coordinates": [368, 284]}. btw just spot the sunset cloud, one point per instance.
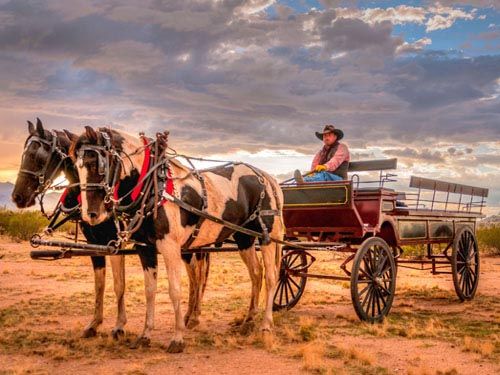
{"type": "Point", "coordinates": [257, 77]}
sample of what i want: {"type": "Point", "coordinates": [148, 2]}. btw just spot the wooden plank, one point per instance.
{"type": "Point", "coordinates": [444, 186]}
{"type": "Point", "coordinates": [373, 165]}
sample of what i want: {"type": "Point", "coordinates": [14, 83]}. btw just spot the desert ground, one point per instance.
{"type": "Point", "coordinates": [44, 307]}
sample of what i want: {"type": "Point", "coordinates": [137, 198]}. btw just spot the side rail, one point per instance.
{"type": "Point", "coordinates": [439, 195]}
{"type": "Point", "coordinates": [381, 166]}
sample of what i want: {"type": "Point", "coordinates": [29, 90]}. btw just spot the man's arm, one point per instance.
{"type": "Point", "coordinates": [315, 161]}
{"type": "Point", "coordinates": [340, 156]}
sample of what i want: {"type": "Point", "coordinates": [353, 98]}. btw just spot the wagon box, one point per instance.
{"type": "Point", "coordinates": [322, 205]}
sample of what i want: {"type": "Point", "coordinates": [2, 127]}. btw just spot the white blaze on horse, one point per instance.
{"type": "Point", "coordinates": [239, 194]}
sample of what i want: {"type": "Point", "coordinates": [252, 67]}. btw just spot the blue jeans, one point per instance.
{"type": "Point", "coordinates": [322, 176]}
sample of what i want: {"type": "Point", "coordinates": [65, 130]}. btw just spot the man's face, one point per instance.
{"type": "Point", "coordinates": [329, 139]}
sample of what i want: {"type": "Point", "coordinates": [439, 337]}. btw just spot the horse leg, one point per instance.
{"type": "Point", "coordinates": [197, 270]}
{"type": "Point", "coordinates": [190, 263]}
{"type": "Point", "coordinates": [202, 269]}
{"type": "Point", "coordinates": [99, 264]}
{"type": "Point", "coordinates": [118, 268]}
{"type": "Point", "coordinates": [171, 251]}
{"type": "Point", "coordinates": [149, 261]}
{"type": "Point", "coordinates": [271, 255]}
{"type": "Point", "coordinates": [250, 259]}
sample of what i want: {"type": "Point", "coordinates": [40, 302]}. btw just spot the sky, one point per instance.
{"type": "Point", "coordinates": [253, 80]}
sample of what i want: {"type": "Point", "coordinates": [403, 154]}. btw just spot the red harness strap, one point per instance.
{"type": "Point", "coordinates": [144, 170]}
{"type": "Point", "coordinates": [169, 185]}
{"type": "Point", "coordinates": [64, 195]}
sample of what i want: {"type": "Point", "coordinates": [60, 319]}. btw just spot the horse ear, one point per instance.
{"type": "Point", "coordinates": [39, 128]}
{"type": "Point", "coordinates": [72, 137]}
{"type": "Point", "coordinates": [91, 133]}
{"type": "Point", "coordinates": [31, 128]}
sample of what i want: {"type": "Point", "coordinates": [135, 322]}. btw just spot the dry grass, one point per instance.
{"type": "Point", "coordinates": [312, 357]}
{"type": "Point", "coordinates": [307, 328]}
{"type": "Point", "coordinates": [484, 348]}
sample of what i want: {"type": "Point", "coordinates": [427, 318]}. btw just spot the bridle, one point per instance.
{"type": "Point", "coordinates": [44, 182]}
{"type": "Point", "coordinates": [104, 154]}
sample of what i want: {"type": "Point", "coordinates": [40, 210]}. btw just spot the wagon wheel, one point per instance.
{"type": "Point", "coordinates": [465, 264]}
{"type": "Point", "coordinates": [373, 280]}
{"type": "Point", "coordinates": [290, 287]}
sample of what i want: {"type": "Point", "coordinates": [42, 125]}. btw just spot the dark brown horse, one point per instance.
{"type": "Point", "coordinates": [233, 193]}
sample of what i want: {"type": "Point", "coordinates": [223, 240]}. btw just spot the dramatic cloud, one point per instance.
{"type": "Point", "coordinates": [253, 77]}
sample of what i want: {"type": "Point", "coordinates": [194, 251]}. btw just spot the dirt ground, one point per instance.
{"type": "Point", "coordinates": [45, 305]}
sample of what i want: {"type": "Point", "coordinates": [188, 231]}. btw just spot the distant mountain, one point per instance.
{"type": "Point", "coordinates": [6, 188]}
{"type": "Point", "coordinates": [493, 219]}
{"type": "Point", "coordinates": [5, 192]}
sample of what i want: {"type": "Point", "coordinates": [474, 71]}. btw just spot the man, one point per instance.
{"type": "Point", "coordinates": [331, 162]}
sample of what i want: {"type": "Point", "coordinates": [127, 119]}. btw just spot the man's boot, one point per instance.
{"type": "Point", "coordinates": [298, 177]}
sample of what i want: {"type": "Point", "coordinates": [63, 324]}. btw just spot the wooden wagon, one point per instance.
{"type": "Point", "coordinates": [373, 224]}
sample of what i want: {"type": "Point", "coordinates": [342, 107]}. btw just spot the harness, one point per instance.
{"type": "Point", "coordinates": [55, 150]}
{"type": "Point", "coordinates": [156, 186]}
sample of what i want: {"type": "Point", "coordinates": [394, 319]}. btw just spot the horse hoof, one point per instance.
{"type": "Point", "coordinates": [117, 333]}
{"type": "Point", "coordinates": [141, 342]}
{"type": "Point", "coordinates": [176, 347]}
{"type": "Point", "coordinates": [247, 327]}
{"type": "Point", "coordinates": [89, 332]}
{"type": "Point", "coordinates": [192, 323]}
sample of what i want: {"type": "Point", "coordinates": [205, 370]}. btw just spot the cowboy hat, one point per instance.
{"type": "Point", "coordinates": [330, 129]}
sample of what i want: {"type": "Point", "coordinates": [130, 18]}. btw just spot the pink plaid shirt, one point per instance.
{"type": "Point", "coordinates": [340, 156]}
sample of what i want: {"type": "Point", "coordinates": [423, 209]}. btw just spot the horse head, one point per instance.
{"type": "Point", "coordinates": [103, 159]}
{"type": "Point", "coordinates": [42, 161]}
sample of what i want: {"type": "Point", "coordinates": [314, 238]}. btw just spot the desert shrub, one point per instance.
{"type": "Point", "coordinates": [21, 225]}
{"type": "Point", "coordinates": [489, 239]}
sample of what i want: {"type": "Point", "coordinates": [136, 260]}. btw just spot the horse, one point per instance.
{"type": "Point", "coordinates": [45, 157]}
{"type": "Point", "coordinates": [238, 193]}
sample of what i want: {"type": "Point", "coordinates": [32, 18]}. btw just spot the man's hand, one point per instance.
{"type": "Point", "coordinates": [320, 168]}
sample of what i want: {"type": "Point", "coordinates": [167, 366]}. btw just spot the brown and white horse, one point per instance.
{"type": "Point", "coordinates": [45, 157]}
{"type": "Point", "coordinates": [232, 193]}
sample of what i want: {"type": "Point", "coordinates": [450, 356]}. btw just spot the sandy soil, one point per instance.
{"type": "Point", "coordinates": [45, 305]}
